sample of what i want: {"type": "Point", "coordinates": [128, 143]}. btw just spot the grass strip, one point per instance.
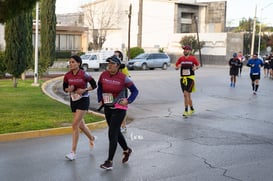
{"type": "Point", "coordinates": [27, 108]}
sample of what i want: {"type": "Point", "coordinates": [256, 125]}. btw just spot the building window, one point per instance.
{"type": "Point", "coordinates": [186, 22]}
{"type": "Point", "coordinates": [186, 28]}
{"type": "Point", "coordinates": [70, 42]}
{"type": "Point", "coordinates": [57, 42]}
{"type": "Point", "coordinates": [78, 42]}
{"type": "Point", "coordinates": [63, 42]}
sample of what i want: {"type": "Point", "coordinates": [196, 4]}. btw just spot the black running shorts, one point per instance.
{"type": "Point", "coordinates": [187, 85]}
{"type": "Point", "coordinates": [82, 104]}
{"type": "Point", "coordinates": [255, 77]}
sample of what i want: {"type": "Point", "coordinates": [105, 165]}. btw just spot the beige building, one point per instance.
{"type": "Point", "coordinates": [154, 23]}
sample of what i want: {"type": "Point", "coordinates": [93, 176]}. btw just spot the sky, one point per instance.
{"type": "Point", "coordinates": [236, 9]}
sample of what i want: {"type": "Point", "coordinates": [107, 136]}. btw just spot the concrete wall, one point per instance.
{"type": "Point", "coordinates": [218, 48]}
{"type": "Point", "coordinates": [235, 43]}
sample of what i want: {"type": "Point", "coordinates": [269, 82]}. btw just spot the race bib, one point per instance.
{"type": "Point", "coordinates": [108, 98]}
{"type": "Point", "coordinates": [75, 96]}
{"type": "Point", "coordinates": [186, 72]}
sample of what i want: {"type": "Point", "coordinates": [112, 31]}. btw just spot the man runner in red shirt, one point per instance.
{"type": "Point", "coordinates": [187, 64]}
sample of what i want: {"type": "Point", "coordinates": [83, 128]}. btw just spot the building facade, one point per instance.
{"type": "Point", "coordinates": [161, 24]}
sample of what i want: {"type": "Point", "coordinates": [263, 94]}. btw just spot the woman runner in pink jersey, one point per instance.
{"type": "Point", "coordinates": [76, 82]}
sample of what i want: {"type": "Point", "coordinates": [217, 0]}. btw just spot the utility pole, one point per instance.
{"type": "Point", "coordinates": [140, 13]}
{"type": "Point", "coordinates": [129, 32]}
{"type": "Point", "coordinates": [253, 32]}
{"type": "Point", "coordinates": [199, 48]}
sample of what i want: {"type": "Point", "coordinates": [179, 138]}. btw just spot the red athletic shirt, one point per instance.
{"type": "Point", "coordinates": [79, 80]}
{"type": "Point", "coordinates": [187, 64]}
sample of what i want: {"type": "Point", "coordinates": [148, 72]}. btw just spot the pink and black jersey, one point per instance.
{"type": "Point", "coordinates": [79, 80]}
{"type": "Point", "coordinates": [116, 85]}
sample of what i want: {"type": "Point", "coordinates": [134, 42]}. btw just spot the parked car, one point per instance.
{"type": "Point", "coordinates": [146, 61]}
{"type": "Point", "coordinates": [95, 60]}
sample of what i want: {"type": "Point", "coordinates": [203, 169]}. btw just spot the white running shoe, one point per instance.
{"type": "Point", "coordinates": [71, 156]}
{"type": "Point", "coordinates": [123, 129]}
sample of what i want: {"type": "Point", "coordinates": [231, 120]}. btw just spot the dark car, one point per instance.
{"type": "Point", "coordinates": [146, 61]}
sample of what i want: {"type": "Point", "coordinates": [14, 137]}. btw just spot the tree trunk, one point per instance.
{"type": "Point", "coordinates": [14, 79]}
{"type": "Point", "coordinates": [23, 76]}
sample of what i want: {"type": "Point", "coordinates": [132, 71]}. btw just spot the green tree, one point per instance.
{"type": "Point", "coordinates": [48, 34]}
{"type": "Point", "coordinates": [2, 64]}
{"type": "Point", "coordinates": [246, 25]}
{"type": "Point", "coordinates": [18, 40]}
{"type": "Point", "coordinates": [191, 41]}
{"type": "Point", "coordinates": [11, 8]}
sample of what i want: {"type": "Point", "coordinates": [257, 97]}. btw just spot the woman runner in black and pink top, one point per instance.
{"type": "Point", "coordinates": [112, 85]}
{"type": "Point", "coordinates": [76, 82]}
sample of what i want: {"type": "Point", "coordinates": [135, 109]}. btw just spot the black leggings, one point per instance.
{"type": "Point", "coordinates": [114, 118]}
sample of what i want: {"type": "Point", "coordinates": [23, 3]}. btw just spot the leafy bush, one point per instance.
{"type": "Point", "coordinates": [161, 50]}
{"type": "Point", "coordinates": [63, 54]}
{"type": "Point", "coordinates": [191, 41]}
{"type": "Point", "coordinates": [135, 51]}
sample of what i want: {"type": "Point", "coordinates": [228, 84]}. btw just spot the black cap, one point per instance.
{"type": "Point", "coordinates": [113, 59]}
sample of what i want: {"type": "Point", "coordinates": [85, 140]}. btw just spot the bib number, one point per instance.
{"type": "Point", "coordinates": [186, 72]}
{"type": "Point", "coordinates": [108, 98]}
{"type": "Point", "coordinates": [75, 96]}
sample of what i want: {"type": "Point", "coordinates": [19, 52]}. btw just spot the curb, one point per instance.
{"type": "Point", "coordinates": [54, 131]}
{"type": "Point", "coordinates": [47, 132]}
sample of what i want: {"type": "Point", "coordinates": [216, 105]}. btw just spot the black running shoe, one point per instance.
{"type": "Point", "coordinates": [108, 165]}
{"type": "Point", "coordinates": [126, 155]}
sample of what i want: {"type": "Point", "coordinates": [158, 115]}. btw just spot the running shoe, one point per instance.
{"type": "Point", "coordinates": [108, 165]}
{"type": "Point", "coordinates": [186, 113]}
{"type": "Point", "coordinates": [230, 84]}
{"type": "Point", "coordinates": [191, 112]}
{"type": "Point", "coordinates": [254, 92]}
{"type": "Point", "coordinates": [71, 156]}
{"type": "Point", "coordinates": [123, 129]}
{"type": "Point", "coordinates": [126, 155]}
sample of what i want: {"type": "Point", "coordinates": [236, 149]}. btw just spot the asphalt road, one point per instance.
{"type": "Point", "coordinates": [230, 137]}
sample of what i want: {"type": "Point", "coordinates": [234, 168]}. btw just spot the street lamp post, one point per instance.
{"type": "Point", "coordinates": [36, 46]}
{"type": "Point", "coordinates": [129, 32]}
